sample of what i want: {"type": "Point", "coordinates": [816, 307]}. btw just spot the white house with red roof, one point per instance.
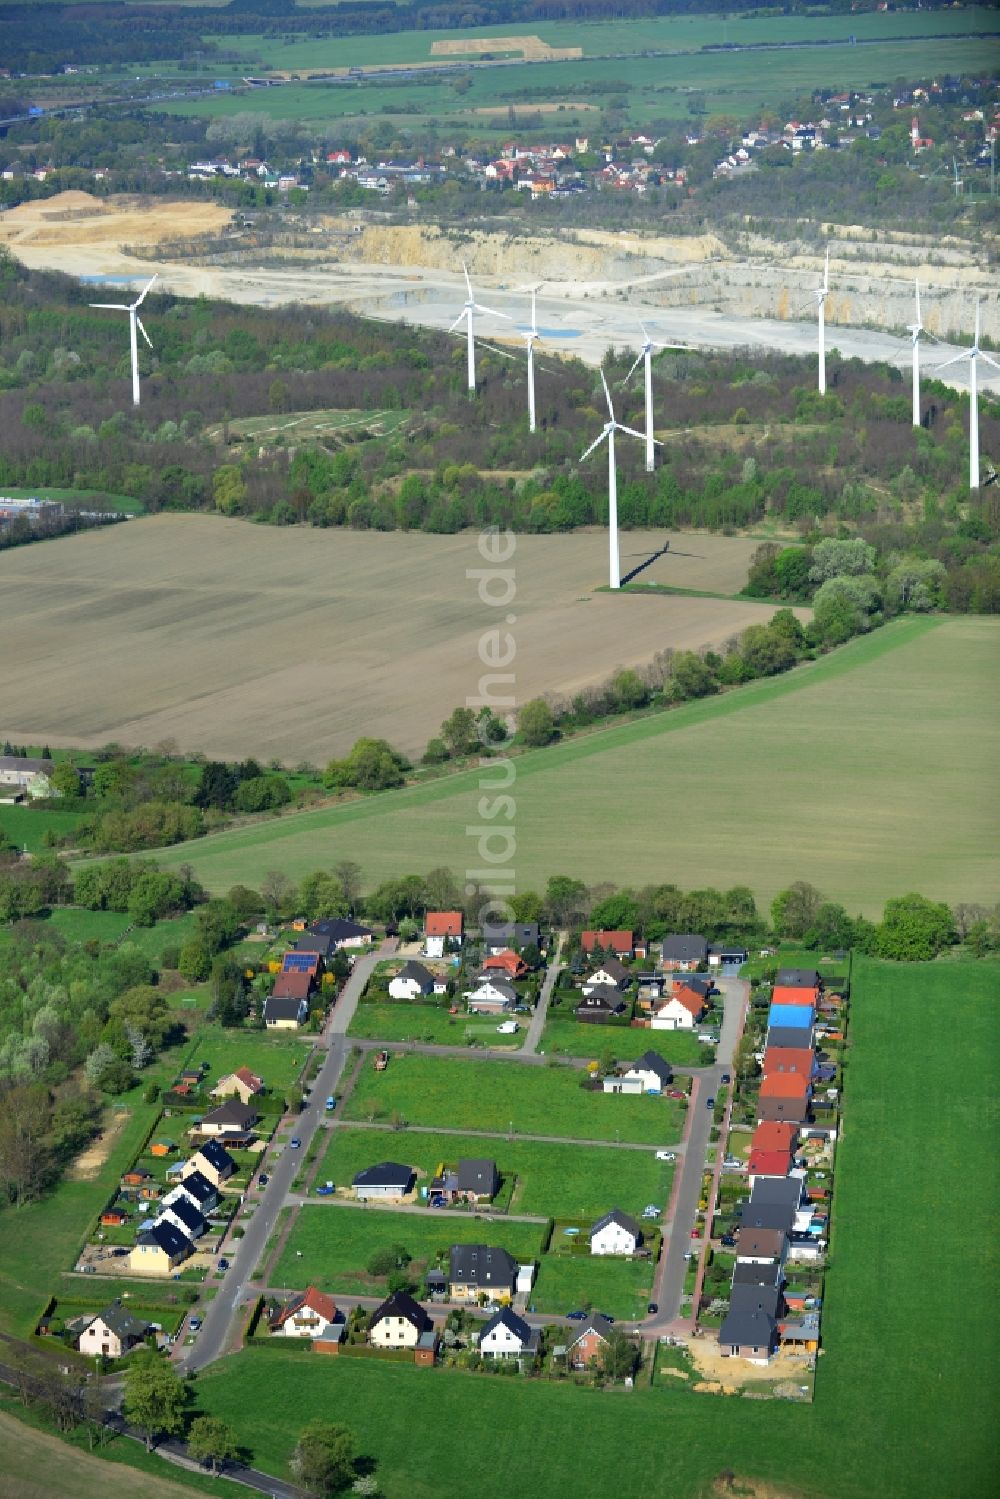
{"type": "Point", "coordinates": [242, 1082]}
{"type": "Point", "coordinates": [440, 928]}
{"type": "Point", "coordinates": [312, 1314]}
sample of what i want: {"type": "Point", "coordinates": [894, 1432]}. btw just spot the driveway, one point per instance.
{"type": "Point", "coordinates": [245, 1253]}
{"type": "Point", "coordinates": [541, 1009]}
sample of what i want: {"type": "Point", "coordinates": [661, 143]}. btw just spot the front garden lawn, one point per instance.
{"type": "Point", "coordinates": [277, 1059]}
{"type": "Point", "coordinates": [428, 1023]}
{"type": "Point", "coordinates": [619, 1288]}
{"type": "Point", "coordinates": [453, 1093]}
{"type": "Point", "coordinates": [565, 1036]}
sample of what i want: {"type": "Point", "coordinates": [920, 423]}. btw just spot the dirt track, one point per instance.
{"type": "Point", "coordinates": [237, 639]}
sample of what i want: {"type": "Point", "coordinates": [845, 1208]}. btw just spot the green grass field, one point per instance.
{"type": "Point", "coordinates": [452, 1093]}
{"type": "Point", "coordinates": [903, 1391]}
{"type": "Point", "coordinates": [559, 1181]}
{"type": "Point", "coordinates": [428, 1023]}
{"type": "Point", "coordinates": [602, 1283]}
{"type": "Point", "coordinates": [821, 774]}
{"type": "Point", "coordinates": [79, 925]}
{"type": "Point", "coordinates": [565, 1036]}
{"type": "Point", "coordinates": [279, 1060]}
{"type": "Point", "coordinates": [330, 1247]}
{"type": "Point", "coordinates": [26, 826]}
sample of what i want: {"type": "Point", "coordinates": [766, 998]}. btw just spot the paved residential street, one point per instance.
{"type": "Point", "coordinates": [245, 1253]}
{"type": "Point", "coordinates": [541, 1009]}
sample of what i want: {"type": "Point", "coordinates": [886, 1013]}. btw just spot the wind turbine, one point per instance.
{"type": "Point", "coordinates": [916, 328]}
{"type": "Point", "coordinates": [134, 321]}
{"type": "Point", "coordinates": [611, 426]}
{"type": "Point", "coordinates": [972, 355]}
{"type": "Point", "coordinates": [531, 338]}
{"type": "Point", "coordinates": [471, 307]}
{"type": "Point", "coordinates": [822, 292]}
{"type": "Point", "coordinates": [646, 354]}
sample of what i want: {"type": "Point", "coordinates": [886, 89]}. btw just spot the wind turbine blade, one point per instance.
{"type": "Point", "coordinates": [620, 427]}
{"type": "Point", "coordinates": [607, 397]}
{"type": "Point", "coordinates": [143, 293]}
{"type": "Point", "coordinates": [468, 283]}
{"type": "Point", "coordinates": [988, 360]}
{"type": "Point", "coordinates": [138, 324]}
{"type": "Point", "coordinates": [638, 360]}
{"type": "Point", "coordinates": [826, 271]}
{"type": "Point", "coordinates": [958, 359]}
{"type": "Point", "coordinates": [112, 306]}
{"type": "Point", "coordinates": [916, 287]}
{"type": "Point", "coordinates": [595, 444]}
{"type": "Point", "coordinates": [491, 311]}
{"type": "Point", "coordinates": [657, 345]}
{"type": "Point", "coordinates": [506, 353]}
{"type": "Point", "coordinates": [455, 324]}
{"type": "Point", "coordinates": [976, 339]}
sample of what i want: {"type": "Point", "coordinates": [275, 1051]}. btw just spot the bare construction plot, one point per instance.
{"type": "Point", "coordinates": [237, 639]}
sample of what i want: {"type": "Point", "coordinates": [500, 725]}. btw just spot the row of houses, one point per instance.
{"type": "Point", "coordinates": [287, 1006]}
{"type": "Point", "coordinates": [169, 1237]}
{"type": "Point", "coordinates": [784, 1219]}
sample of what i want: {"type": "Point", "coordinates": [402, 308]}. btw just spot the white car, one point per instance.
{"type": "Point", "coordinates": [508, 1028]}
{"type": "Point", "coordinates": [665, 1155]}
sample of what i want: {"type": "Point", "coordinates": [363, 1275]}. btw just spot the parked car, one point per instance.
{"type": "Point", "coordinates": [508, 1028]}
{"type": "Point", "coordinates": [605, 1316]}
{"type": "Point", "coordinates": [223, 1264]}
{"type": "Point", "coordinates": [381, 1061]}
{"type": "Point", "coordinates": [696, 1233]}
{"type": "Point", "coordinates": [330, 1104]}
{"type": "Point", "coordinates": [263, 1179]}
{"type": "Point", "coordinates": [689, 1254]}
{"type": "Point", "coordinates": [327, 1190]}
{"type": "Point", "coordinates": [295, 1143]}
{"type": "Point", "coordinates": [728, 1240]}
{"type": "Point", "coordinates": [726, 1078]}
{"type": "Point", "coordinates": [194, 1324]}
{"type": "Point", "coordinates": [654, 1306]}
{"type": "Point", "coordinates": [676, 1093]}
{"type": "Point", "coordinates": [576, 1316]}
{"type": "Point", "coordinates": [665, 1155]}
{"type": "Point", "coordinates": [709, 1104]}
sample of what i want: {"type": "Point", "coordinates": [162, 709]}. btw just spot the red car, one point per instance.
{"type": "Point", "coordinates": [696, 1233]}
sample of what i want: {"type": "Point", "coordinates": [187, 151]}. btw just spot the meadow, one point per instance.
{"type": "Point", "coordinates": [559, 1181]}
{"type": "Point", "coordinates": [430, 1023]}
{"type": "Point", "coordinates": [835, 772]}
{"type": "Point", "coordinates": [451, 1093]}
{"type": "Point", "coordinates": [564, 1036]}
{"type": "Point", "coordinates": [235, 639]}
{"type": "Point", "coordinates": [26, 826]}
{"type": "Point", "coordinates": [903, 1391]}
{"type": "Point", "coordinates": [601, 1283]}
{"type": "Point", "coordinates": [330, 1247]}
{"type": "Point", "coordinates": [278, 1060]}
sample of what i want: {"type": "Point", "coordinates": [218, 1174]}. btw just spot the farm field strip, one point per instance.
{"type": "Point", "coordinates": [561, 1181]}
{"type": "Point", "coordinates": [533, 1100]}
{"type": "Point", "coordinates": [812, 775]}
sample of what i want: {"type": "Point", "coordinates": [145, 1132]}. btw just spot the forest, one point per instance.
{"type": "Point", "coordinates": [752, 441]}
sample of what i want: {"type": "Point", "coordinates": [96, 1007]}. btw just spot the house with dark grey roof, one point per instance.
{"type": "Point", "coordinates": [159, 1249]}
{"type": "Point", "coordinates": [797, 978]}
{"type": "Point", "coordinates": [599, 1004]}
{"type": "Point", "coordinates": [183, 1214]}
{"type": "Point", "coordinates": [682, 951]}
{"type": "Point", "coordinates": [285, 1014]}
{"type": "Point", "coordinates": [514, 934]}
{"type": "Point", "coordinates": [387, 1180]}
{"type": "Point", "coordinates": [332, 932]}
{"type": "Point", "coordinates": [230, 1118]}
{"type": "Point", "coordinates": [587, 1348]}
{"type": "Point", "coordinates": [653, 1071]}
{"type": "Point", "coordinates": [480, 1270]}
{"type": "Point", "coordinates": [398, 1323]}
{"type": "Point", "coordinates": [198, 1190]}
{"type": "Point", "coordinates": [615, 1233]}
{"type": "Point", "coordinates": [113, 1332]}
{"type": "Point", "coordinates": [413, 981]}
{"type": "Point", "coordinates": [750, 1327]}
{"type": "Point", "coordinates": [213, 1160]}
{"type": "Point", "coordinates": [491, 996]}
{"type": "Point", "coordinates": [477, 1179]}
{"type": "Point", "coordinates": [610, 973]}
{"type": "Point", "coordinates": [747, 1274]}
{"type": "Point", "coordinates": [506, 1335]}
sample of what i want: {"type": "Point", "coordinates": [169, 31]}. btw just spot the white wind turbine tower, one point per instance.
{"type": "Point", "coordinates": [611, 426]}
{"type": "Point", "coordinates": [531, 337]}
{"type": "Point", "coordinates": [822, 292]}
{"type": "Point", "coordinates": [134, 322]}
{"type": "Point", "coordinates": [972, 355]}
{"type": "Point", "coordinates": [645, 356]}
{"type": "Point", "coordinates": [916, 329]}
{"type": "Point", "coordinates": [471, 307]}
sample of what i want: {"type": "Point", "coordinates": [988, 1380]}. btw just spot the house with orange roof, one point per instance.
{"type": "Point", "coordinates": [622, 944]}
{"type": "Point", "coordinates": [774, 1136]}
{"type": "Point", "coordinates": [769, 1163]}
{"type": "Point", "coordinates": [783, 994]}
{"type": "Point", "coordinates": [311, 1314]}
{"type": "Point", "coordinates": [680, 1011]}
{"type": "Point", "coordinates": [786, 1085]}
{"type": "Point", "coordinates": [788, 1060]}
{"type": "Point", "coordinates": [440, 928]}
{"type": "Point", "coordinates": [506, 962]}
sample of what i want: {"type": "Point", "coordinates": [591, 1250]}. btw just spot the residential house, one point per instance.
{"type": "Point", "coordinates": [491, 996]}
{"type": "Point", "coordinates": [184, 1216]}
{"type": "Point", "coordinates": [413, 981]}
{"type": "Point", "coordinates": [792, 1017]}
{"type": "Point", "coordinates": [774, 1136]}
{"type": "Point", "coordinates": [442, 928]}
{"type": "Point", "coordinates": [652, 1070]}
{"type": "Point", "coordinates": [787, 1061]}
{"type": "Point", "coordinates": [293, 983]}
{"type": "Point", "coordinates": [600, 1004]}
{"type": "Point", "coordinates": [399, 1322]}
{"type": "Point", "coordinates": [610, 974]}
{"type": "Point", "coordinates": [159, 1250]}
{"type": "Point", "coordinates": [230, 1118]}
{"type": "Point", "coordinates": [728, 957]}
{"type": "Point", "coordinates": [797, 978]}
{"type": "Point", "coordinates": [786, 1085]}
{"type": "Point", "coordinates": [285, 1014]}
{"type": "Point", "coordinates": [762, 1245]}
{"type": "Point", "coordinates": [650, 988]}
{"type": "Point", "coordinates": [768, 1163]}
{"type": "Point", "coordinates": [198, 1189]}
{"type": "Point", "coordinates": [682, 952]}
{"type": "Point", "coordinates": [480, 1270]}
{"type": "Point", "coordinates": [388, 1181]}
{"type": "Point", "coordinates": [615, 1233]}
{"type": "Point", "coordinates": [752, 1274]}
{"type": "Point", "coordinates": [681, 1011]}
{"type": "Point", "coordinates": [332, 933]}
{"type": "Point", "coordinates": [506, 1335]}
{"type": "Point", "coordinates": [242, 1082]}
{"type": "Point", "coordinates": [473, 1180]}
{"type": "Point", "coordinates": [750, 1327]}
{"type": "Point", "coordinates": [787, 1038]}
{"type": "Point", "coordinates": [622, 944]}
{"type": "Point", "coordinates": [497, 936]}
{"type": "Point", "coordinates": [25, 776]}
{"type": "Point", "coordinates": [213, 1161]}
{"type": "Point", "coordinates": [302, 962]}
{"type": "Point", "coordinates": [586, 1350]}
{"type": "Point", "coordinates": [310, 1314]}
{"type": "Point", "coordinates": [788, 1193]}
{"type": "Point", "coordinates": [786, 1110]}
{"type": "Point", "coordinates": [791, 994]}
{"type": "Point", "coordinates": [508, 963]}
{"type": "Point", "coordinates": [113, 1332]}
